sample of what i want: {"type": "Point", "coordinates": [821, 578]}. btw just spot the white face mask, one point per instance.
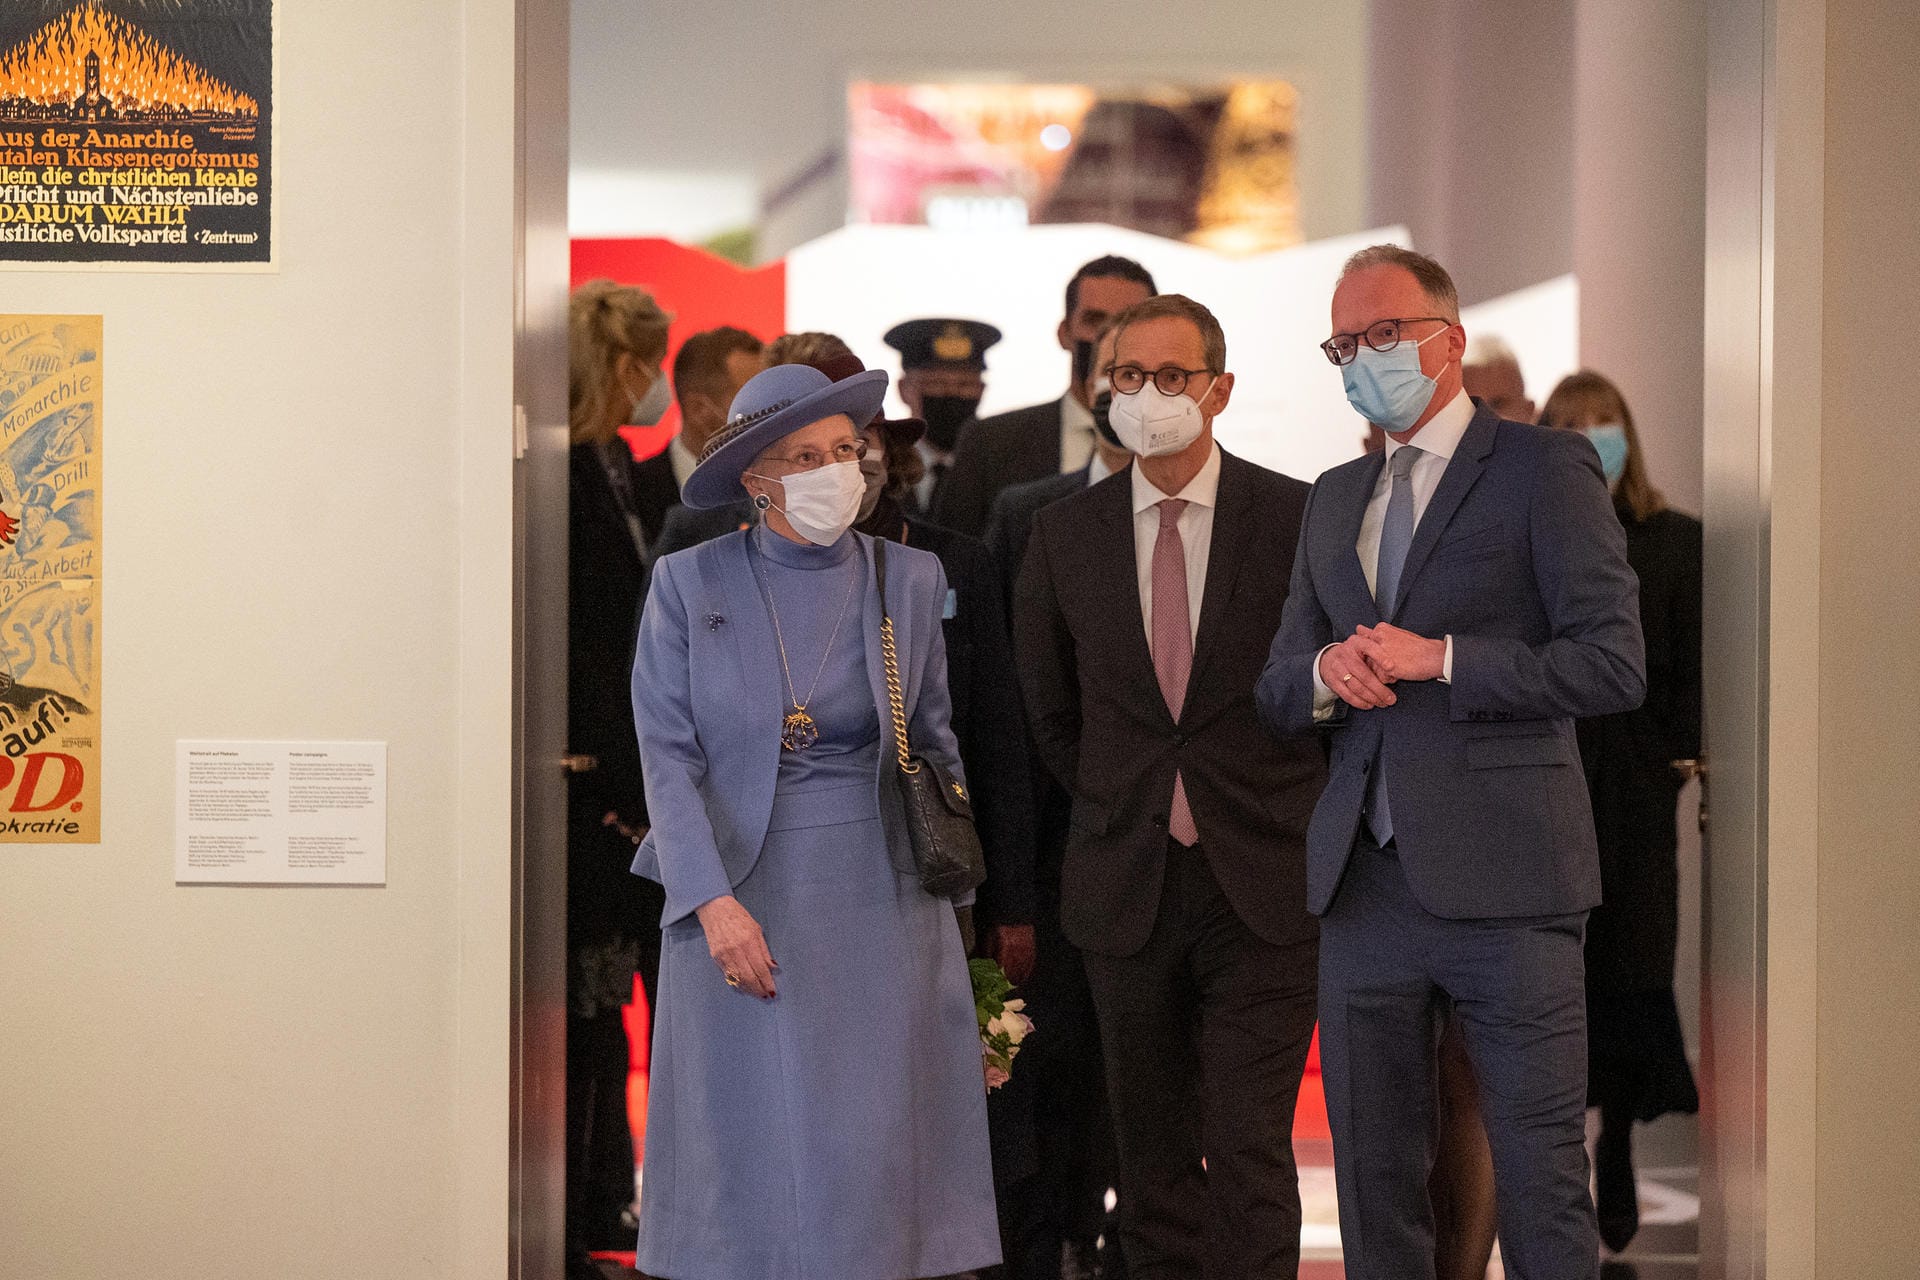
{"type": "Point", "coordinates": [1153, 424]}
{"type": "Point", "coordinates": [648, 409]}
{"type": "Point", "coordinates": [823, 503]}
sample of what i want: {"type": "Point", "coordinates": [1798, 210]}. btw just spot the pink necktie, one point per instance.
{"type": "Point", "coordinates": [1173, 645]}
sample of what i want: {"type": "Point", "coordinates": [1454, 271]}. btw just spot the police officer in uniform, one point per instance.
{"type": "Point", "coordinates": [943, 366]}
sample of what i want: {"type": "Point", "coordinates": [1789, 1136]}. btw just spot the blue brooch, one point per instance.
{"type": "Point", "coordinates": [715, 622]}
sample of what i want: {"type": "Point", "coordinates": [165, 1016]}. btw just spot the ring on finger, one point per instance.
{"type": "Point", "coordinates": [1347, 679]}
{"type": "Point", "coordinates": [733, 979]}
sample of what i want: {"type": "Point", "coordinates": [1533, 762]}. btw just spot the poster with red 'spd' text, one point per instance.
{"type": "Point", "coordinates": [136, 132]}
{"type": "Point", "coordinates": [50, 399]}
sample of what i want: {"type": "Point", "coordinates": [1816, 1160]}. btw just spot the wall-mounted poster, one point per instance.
{"type": "Point", "coordinates": [136, 132]}
{"type": "Point", "coordinates": [50, 397]}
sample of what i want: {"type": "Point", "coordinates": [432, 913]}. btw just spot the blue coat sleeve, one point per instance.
{"type": "Point", "coordinates": [1285, 692]}
{"type": "Point", "coordinates": [1595, 662]}
{"type": "Point", "coordinates": [672, 760]}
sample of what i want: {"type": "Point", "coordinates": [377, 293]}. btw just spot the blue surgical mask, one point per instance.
{"type": "Point", "coordinates": [1610, 442]}
{"type": "Point", "coordinates": [1387, 388]}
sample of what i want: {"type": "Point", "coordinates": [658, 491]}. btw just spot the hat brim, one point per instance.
{"type": "Point", "coordinates": [904, 430]}
{"type": "Point", "coordinates": [716, 481]}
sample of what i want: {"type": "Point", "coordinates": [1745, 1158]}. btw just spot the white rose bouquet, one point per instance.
{"type": "Point", "coordinates": [1002, 1025]}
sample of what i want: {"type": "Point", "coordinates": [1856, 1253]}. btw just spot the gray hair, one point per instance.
{"type": "Point", "coordinates": [1433, 278]}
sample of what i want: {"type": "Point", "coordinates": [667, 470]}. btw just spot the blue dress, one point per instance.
{"type": "Point", "coordinates": [838, 1131]}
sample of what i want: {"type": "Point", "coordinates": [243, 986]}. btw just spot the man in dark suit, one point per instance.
{"type": "Point", "coordinates": [708, 371]}
{"type": "Point", "coordinates": [1043, 439]}
{"type": "Point", "coordinates": [1141, 613]}
{"type": "Point", "coordinates": [943, 367]}
{"type": "Point", "coordinates": [1457, 601]}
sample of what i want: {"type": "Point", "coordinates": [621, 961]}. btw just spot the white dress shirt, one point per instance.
{"type": "Point", "coordinates": [1437, 442]}
{"type": "Point", "coordinates": [682, 460]}
{"type": "Point", "coordinates": [1076, 434]}
{"type": "Point", "coordinates": [930, 457]}
{"type": "Point", "coordinates": [1097, 469]}
{"type": "Point", "coordinates": [1196, 536]}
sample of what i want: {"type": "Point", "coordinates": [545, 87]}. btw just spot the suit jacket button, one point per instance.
{"type": "Point", "coordinates": [1159, 819]}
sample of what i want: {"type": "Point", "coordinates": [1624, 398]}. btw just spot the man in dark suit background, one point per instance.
{"type": "Point", "coordinates": [1043, 439]}
{"type": "Point", "coordinates": [1010, 520]}
{"type": "Point", "coordinates": [708, 371]}
{"type": "Point", "coordinates": [1141, 612]}
{"type": "Point", "coordinates": [943, 367]}
{"type": "Point", "coordinates": [1457, 601]}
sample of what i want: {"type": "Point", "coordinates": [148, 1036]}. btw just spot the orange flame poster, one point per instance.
{"type": "Point", "coordinates": [50, 401]}
{"type": "Point", "coordinates": [136, 131]}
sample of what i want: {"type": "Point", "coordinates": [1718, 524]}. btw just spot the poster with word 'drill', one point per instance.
{"type": "Point", "coordinates": [136, 132]}
{"type": "Point", "coordinates": [50, 397]}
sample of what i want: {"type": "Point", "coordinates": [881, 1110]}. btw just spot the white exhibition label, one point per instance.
{"type": "Point", "coordinates": [280, 813]}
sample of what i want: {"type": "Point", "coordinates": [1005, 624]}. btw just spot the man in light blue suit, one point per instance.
{"type": "Point", "coordinates": [1457, 602]}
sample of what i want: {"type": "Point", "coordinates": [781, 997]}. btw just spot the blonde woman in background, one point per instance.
{"type": "Point", "coordinates": [617, 340]}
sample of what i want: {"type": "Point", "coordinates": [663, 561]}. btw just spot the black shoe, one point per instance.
{"type": "Point", "coordinates": [1617, 1199]}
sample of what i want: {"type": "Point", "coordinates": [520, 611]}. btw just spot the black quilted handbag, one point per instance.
{"type": "Point", "coordinates": [946, 848]}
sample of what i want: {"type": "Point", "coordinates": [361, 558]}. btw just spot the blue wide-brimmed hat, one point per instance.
{"type": "Point", "coordinates": [776, 403]}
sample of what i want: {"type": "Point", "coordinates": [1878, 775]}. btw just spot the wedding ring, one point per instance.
{"type": "Point", "coordinates": [1344, 679]}
{"type": "Point", "coordinates": [733, 979]}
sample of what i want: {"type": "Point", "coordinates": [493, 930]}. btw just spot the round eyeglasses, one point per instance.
{"type": "Point", "coordinates": [1127, 379]}
{"type": "Point", "coordinates": [1381, 335]}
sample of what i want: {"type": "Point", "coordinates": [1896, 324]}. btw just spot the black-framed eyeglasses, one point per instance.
{"type": "Point", "coordinates": [1127, 379]}
{"type": "Point", "coordinates": [1381, 335]}
{"type": "Point", "coordinates": [813, 459]}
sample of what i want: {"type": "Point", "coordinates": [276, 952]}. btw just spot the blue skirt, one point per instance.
{"type": "Point", "coordinates": [838, 1131]}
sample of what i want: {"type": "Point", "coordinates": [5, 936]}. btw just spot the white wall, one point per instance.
{"type": "Point", "coordinates": [1868, 1113]}
{"type": "Point", "coordinates": [759, 86]}
{"type": "Point", "coordinates": [307, 475]}
{"type": "Point", "coordinates": [1470, 120]}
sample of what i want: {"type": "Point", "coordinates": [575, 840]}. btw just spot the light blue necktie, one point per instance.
{"type": "Point", "coordinates": [1396, 535]}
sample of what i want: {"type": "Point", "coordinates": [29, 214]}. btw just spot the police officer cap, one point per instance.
{"type": "Point", "coordinates": [954, 344]}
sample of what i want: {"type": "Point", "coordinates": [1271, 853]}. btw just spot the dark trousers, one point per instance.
{"type": "Point", "coordinates": [1205, 1031]}
{"type": "Point", "coordinates": [1388, 973]}
{"type": "Point", "coordinates": [1061, 1200]}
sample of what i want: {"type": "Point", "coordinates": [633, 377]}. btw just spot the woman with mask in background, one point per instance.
{"type": "Point", "coordinates": [818, 1104]}
{"type": "Point", "coordinates": [1636, 763]}
{"type": "Point", "coordinates": [617, 341]}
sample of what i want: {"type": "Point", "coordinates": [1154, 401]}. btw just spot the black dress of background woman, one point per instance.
{"type": "Point", "coordinates": [1636, 1058]}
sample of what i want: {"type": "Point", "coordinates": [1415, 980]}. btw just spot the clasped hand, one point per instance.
{"type": "Point", "coordinates": [1360, 668]}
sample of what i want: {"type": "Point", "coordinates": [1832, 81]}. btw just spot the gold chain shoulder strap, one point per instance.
{"type": "Point", "coordinates": [895, 699]}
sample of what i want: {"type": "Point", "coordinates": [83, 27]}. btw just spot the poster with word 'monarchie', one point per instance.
{"type": "Point", "coordinates": [50, 401]}
{"type": "Point", "coordinates": [136, 132]}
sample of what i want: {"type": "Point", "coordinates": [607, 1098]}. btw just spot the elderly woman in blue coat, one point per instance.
{"type": "Point", "coordinates": [817, 1109]}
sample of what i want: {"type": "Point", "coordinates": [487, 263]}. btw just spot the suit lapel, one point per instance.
{"type": "Point", "coordinates": [1463, 469]}
{"type": "Point", "coordinates": [1232, 524]}
{"type": "Point", "coordinates": [747, 619]}
{"type": "Point", "coordinates": [1351, 504]}
{"type": "Point", "coordinates": [1115, 582]}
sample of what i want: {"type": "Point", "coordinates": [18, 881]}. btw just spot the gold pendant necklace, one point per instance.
{"type": "Point", "coordinates": [798, 731]}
